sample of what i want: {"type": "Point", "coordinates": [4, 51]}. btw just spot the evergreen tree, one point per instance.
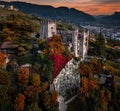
{"type": "Point", "coordinates": [100, 45]}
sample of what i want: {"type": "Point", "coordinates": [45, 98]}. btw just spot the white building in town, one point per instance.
{"type": "Point", "coordinates": [11, 7]}
{"type": "Point", "coordinates": [2, 6]}
{"type": "Point", "coordinates": [47, 29]}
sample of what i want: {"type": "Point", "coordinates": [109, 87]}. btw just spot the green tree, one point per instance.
{"type": "Point", "coordinates": [100, 45]}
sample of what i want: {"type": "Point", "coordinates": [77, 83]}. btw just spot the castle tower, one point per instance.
{"type": "Point", "coordinates": [83, 47]}
{"type": "Point", "coordinates": [75, 42]}
{"type": "Point", "coordinates": [47, 29]}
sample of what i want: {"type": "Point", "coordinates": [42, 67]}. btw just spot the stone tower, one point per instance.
{"type": "Point", "coordinates": [83, 45]}
{"type": "Point", "coordinates": [47, 29]}
{"type": "Point", "coordinates": [75, 42]}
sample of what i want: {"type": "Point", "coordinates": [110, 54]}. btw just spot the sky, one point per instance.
{"type": "Point", "coordinates": [94, 7]}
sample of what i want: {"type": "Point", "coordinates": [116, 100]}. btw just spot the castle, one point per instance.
{"type": "Point", "coordinates": [67, 82]}
{"type": "Point", "coordinates": [78, 43]}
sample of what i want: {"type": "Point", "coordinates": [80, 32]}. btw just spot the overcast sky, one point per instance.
{"type": "Point", "coordinates": [94, 7]}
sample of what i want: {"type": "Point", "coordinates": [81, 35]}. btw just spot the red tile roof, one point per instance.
{"type": "Point", "coordinates": [117, 47]}
{"type": "Point", "coordinates": [7, 45]}
{"type": "Point", "coordinates": [59, 63]}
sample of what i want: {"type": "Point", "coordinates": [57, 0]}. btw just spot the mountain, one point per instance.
{"type": "Point", "coordinates": [98, 17]}
{"type": "Point", "coordinates": [115, 18]}
{"type": "Point", "coordinates": [60, 13]}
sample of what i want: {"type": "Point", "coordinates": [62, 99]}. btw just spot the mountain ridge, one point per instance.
{"type": "Point", "coordinates": [47, 11]}
{"type": "Point", "coordinates": [114, 18]}
{"type": "Point", "coordinates": [62, 13]}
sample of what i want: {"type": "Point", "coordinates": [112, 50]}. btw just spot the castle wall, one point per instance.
{"type": "Point", "coordinates": [47, 29]}
{"type": "Point", "coordinates": [75, 42]}
{"type": "Point", "coordinates": [43, 30]}
{"type": "Point", "coordinates": [83, 44]}
{"type": "Point", "coordinates": [67, 83]}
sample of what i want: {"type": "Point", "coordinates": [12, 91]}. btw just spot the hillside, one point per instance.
{"type": "Point", "coordinates": [17, 26]}
{"type": "Point", "coordinates": [60, 13]}
{"type": "Point", "coordinates": [5, 12]}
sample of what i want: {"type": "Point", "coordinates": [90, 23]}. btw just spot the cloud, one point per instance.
{"type": "Point", "coordinates": [94, 7]}
{"type": "Point", "coordinates": [105, 1]}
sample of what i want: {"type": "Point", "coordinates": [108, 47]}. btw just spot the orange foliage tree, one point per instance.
{"type": "Point", "coordinates": [88, 82]}
{"type": "Point", "coordinates": [35, 88]}
{"type": "Point", "coordinates": [32, 93]}
{"type": "Point", "coordinates": [105, 98]}
{"type": "Point", "coordinates": [2, 59]}
{"type": "Point", "coordinates": [50, 101]}
{"type": "Point", "coordinates": [85, 87]}
{"type": "Point", "coordinates": [55, 45]}
{"type": "Point", "coordinates": [54, 97]}
{"type": "Point", "coordinates": [93, 84]}
{"type": "Point", "coordinates": [23, 76]}
{"type": "Point", "coordinates": [91, 92]}
{"type": "Point", "coordinates": [44, 86]}
{"type": "Point", "coordinates": [96, 66]}
{"type": "Point", "coordinates": [35, 80]}
{"type": "Point", "coordinates": [19, 102]}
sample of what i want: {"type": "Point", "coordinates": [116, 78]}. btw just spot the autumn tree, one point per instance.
{"type": "Point", "coordinates": [33, 92]}
{"type": "Point", "coordinates": [96, 66]}
{"type": "Point", "coordinates": [2, 59]}
{"type": "Point", "coordinates": [35, 80]}
{"type": "Point", "coordinates": [7, 34]}
{"type": "Point", "coordinates": [23, 77]}
{"type": "Point", "coordinates": [19, 103]}
{"type": "Point", "coordinates": [4, 90]}
{"type": "Point", "coordinates": [18, 27]}
{"type": "Point", "coordinates": [90, 92]}
{"type": "Point", "coordinates": [55, 45]}
{"type": "Point", "coordinates": [50, 101]}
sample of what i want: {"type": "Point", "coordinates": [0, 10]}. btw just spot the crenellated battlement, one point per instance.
{"type": "Point", "coordinates": [47, 28]}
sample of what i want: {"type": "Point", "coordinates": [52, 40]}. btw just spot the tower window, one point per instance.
{"type": "Point", "coordinates": [86, 44]}
{"type": "Point", "coordinates": [53, 33]}
{"type": "Point", "coordinates": [76, 33]}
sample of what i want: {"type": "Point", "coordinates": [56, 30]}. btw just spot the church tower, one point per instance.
{"type": "Point", "coordinates": [47, 29]}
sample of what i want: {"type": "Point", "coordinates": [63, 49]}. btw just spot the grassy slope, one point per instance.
{"type": "Point", "coordinates": [5, 12]}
